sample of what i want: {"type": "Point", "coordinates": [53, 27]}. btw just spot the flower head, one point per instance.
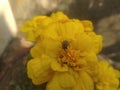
{"type": "Point", "coordinates": [107, 77]}
{"type": "Point", "coordinates": [64, 54]}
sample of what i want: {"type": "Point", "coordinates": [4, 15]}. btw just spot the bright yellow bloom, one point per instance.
{"type": "Point", "coordinates": [65, 53]}
{"type": "Point", "coordinates": [107, 77]}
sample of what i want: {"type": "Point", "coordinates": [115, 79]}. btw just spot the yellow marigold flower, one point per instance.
{"type": "Point", "coordinates": [107, 77]}
{"type": "Point", "coordinates": [64, 54]}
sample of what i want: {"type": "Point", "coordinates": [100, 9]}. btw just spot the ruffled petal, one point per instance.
{"type": "Point", "coordinates": [88, 26]}
{"type": "Point", "coordinates": [84, 81]}
{"type": "Point", "coordinates": [59, 17]}
{"type": "Point", "coordinates": [97, 42]}
{"type": "Point", "coordinates": [61, 81]}
{"type": "Point", "coordinates": [68, 30]}
{"type": "Point", "coordinates": [58, 67]}
{"type": "Point", "coordinates": [81, 42]}
{"type": "Point", "coordinates": [107, 78]}
{"type": "Point", "coordinates": [39, 70]}
{"type": "Point", "coordinates": [92, 61]}
{"type": "Point", "coordinates": [46, 46]}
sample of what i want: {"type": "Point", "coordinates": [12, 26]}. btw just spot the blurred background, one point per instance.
{"type": "Point", "coordinates": [105, 15]}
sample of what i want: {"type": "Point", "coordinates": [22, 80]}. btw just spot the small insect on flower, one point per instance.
{"type": "Point", "coordinates": [65, 44]}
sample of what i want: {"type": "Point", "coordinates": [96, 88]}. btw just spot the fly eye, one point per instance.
{"type": "Point", "coordinates": [65, 44]}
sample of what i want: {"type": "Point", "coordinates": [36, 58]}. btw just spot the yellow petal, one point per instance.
{"type": "Point", "coordinates": [69, 29]}
{"type": "Point", "coordinates": [92, 62]}
{"type": "Point", "coordinates": [27, 25]}
{"type": "Point", "coordinates": [97, 42]}
{"type": "Point", "coordinates": [84, 82]}
{"type": "Point", "coordinates": [91, 58]}
{"type": "Point", "coordinates": [39, 19]}
{"type": "Point", "coordinates": [58, 67]}
{"type": "Point", "coordinates": [61, 81]}
{"type": "Point", "coordinates": [39, 70]}
{"type": "Point", "coordinates": [31, 36]}
{"type": "Point", "coordinates": [59, 17]}
{"type": "Point", "coordinates": [87, 25]}
{"type": "Point", "coordinates": [83, 42]}
{"type": "Point", "coordinates": [46, 46]}
{"type": "Point", "coordinates": [51, 31]}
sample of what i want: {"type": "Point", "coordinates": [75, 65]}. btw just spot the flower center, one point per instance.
{"type": "Point", "coordinates": [69, 56]}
